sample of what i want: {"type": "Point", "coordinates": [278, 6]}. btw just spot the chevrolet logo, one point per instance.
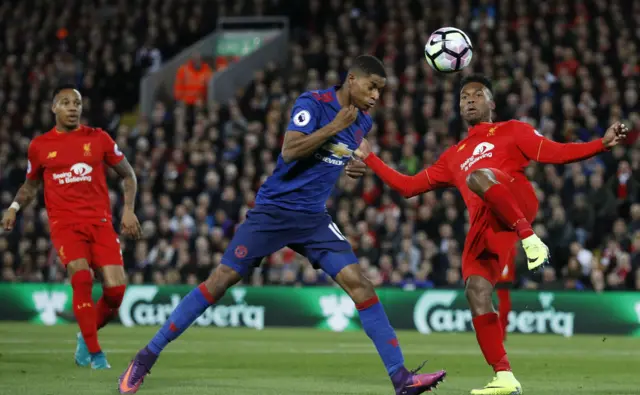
{"type": "Point", "coordinates": [52, 154]}
{"type": "Point", "coordinates": [340, 150]}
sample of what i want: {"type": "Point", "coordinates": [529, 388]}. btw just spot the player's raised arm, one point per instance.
{"type": "Point", "coordinates": [302, 138]}
{"type": "Point", "coordinates": [433, 177]}
{"type": "Point", "coordinates": [27, 192]}
{"type": "Point", "coordinates": [540, 149]}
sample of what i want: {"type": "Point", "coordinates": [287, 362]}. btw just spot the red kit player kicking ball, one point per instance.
{"type": "Point", "coordinates": [487, 167]}
{"type": "Point", "coordinates": [69, 159]}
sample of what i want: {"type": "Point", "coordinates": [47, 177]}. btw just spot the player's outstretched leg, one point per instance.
{"type": "Point", "coordinates": [187, 311]}
{"type": "Point", "coordinates": [489, 334]}
{"type": "Point", "coordinates": [376, 325]}
{"type": "Point", "coordinates": [501, 202]}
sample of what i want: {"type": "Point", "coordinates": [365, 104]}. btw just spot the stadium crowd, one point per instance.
{"type": "Point", "coordinates": [568, 67]}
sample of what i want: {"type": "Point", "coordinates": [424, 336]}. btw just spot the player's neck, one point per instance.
{"type": "Point", "coordinates": [66, 129]}
{"type": "Point", "coordinates": [471, 125]}
{"type": "Point", "coordinates": [343, 96]}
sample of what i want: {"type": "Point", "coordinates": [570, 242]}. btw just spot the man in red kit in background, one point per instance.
{"type": "Point", "coordinates": [487, 167]}
{"type": "Point", "coordinates": [69, 159]}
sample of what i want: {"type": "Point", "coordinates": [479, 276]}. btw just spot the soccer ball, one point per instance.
{"type": "Point", "coordinates": [448, 50]}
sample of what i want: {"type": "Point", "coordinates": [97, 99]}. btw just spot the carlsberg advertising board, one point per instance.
{"type": "Point", "coordinates": [437, 311]}
{"type": "Point", "coordinates": [146, 305]}
{"type": "Point", "coordinates": [559, 313]}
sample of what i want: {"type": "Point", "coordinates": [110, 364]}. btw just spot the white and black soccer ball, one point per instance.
{"type": "Point", "coordinates": [448, 50]}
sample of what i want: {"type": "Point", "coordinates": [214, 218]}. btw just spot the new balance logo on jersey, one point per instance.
{"type": "Point", "coordinates": [482, 150]}
{"type": "Point", "coordinates": [340, 151]}
{"type": "Point", "coordinates": [80, 172]}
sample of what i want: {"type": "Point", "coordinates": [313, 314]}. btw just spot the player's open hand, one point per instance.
{"type": "Point", "coordinates": [616, 134]}
{"type": "Point", "coordinates": [130, 226]}
{"type": "Point", "coordinates": [345, 117]}
{"type": "Point", "coordinates": [355, 168]}
{"type": "Point", "coordinates": [9, 219]}
{"type": "Point", "coordinates": [363, 150]}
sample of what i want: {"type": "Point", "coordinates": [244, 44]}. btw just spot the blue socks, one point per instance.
{"type": "Point", "coordinates": [189, 309]}
{"type": "Point", "coordinates": [376, 325]}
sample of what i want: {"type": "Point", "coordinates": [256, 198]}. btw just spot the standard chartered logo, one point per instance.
{"type": "Point", "coordinates": [139, 308]}
{"type": "Point", "coordinates": [339, 309]}
{"type": "Point", "coordinates": [433, 312]}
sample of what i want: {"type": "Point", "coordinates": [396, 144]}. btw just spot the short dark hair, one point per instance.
{"type": "Point", "coordinates": [479, 78]}
{"type": "Point", "coordinates": [62, 87]}
{"type": "Point", "coordinates": [367, 64]}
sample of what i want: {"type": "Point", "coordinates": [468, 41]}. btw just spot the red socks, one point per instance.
{"type": "Point", "coordinates": [504, 205]}
{"type": "Point", "coordinates": [84, 310]}
{"type": "Point", "coordinates": [108, 305]}
{"type": "Point", "coordinates": [489, 335]}
{"type": "Point", "coordinates": [504, 307]}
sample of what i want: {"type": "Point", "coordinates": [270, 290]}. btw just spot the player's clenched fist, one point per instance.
{"type": "Point", "coordinates": [345, 117]}
{"type": "Point", "coordinates": [363, 150]}
{"type": "Point", "coordinates": [130, 226]}
{"type": "Point", "coordinates": [9, 219]}
{"type": "Point", "coordinates": [616, 134]}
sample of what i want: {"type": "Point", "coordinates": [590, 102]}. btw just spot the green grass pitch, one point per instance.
{"type": "Point", "coordinates": [39, 361]}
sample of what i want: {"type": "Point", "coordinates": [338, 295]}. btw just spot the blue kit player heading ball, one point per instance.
{"type": "Point", "coordinates": [326, 127]}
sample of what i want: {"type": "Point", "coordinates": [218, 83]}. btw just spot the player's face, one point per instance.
{"type": "Point", "coordinates": [476, 103]}
{"type": "Point", "coordinates": [67, 106]}
{"type": "Point", "coordinates": [365, 90]}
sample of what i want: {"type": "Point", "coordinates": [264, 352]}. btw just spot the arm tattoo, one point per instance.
{"type": "Point", "coordinates": [27, 192]}
{"type": "Point", "coordinates": [124, 170]}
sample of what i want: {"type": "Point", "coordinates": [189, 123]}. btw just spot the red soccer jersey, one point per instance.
{"type": "Point", "coordinates": [508, 146]}
{"type": "Point", "coordinates": [71, 165]}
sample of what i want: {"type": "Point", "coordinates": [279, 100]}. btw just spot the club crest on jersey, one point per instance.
{"type": "Point", "coordinates": [481, 151]}
{"type": "Point", "coordinates": [87, 149]}
{"type": "Point", "coordinates": [338, 152]}
{"type": "Point", "coordinates": [80, 172]}
{"type": "Point", "coordinates": [52, 154]}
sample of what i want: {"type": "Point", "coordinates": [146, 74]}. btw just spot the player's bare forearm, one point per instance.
{"type": "Point", "coordinates": [299, 145]}
{"type": "Point", "coordinates": [407, 186]}
{"type": "Point", "coordinates": [557, 153]}
{"type": "Point", "coordinates": [27, 192]}
{"type": "Point", "coordinates": [130, 183]}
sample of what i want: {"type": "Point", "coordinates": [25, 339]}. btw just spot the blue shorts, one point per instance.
{"type": "Point", "coordinates": [268, 229]}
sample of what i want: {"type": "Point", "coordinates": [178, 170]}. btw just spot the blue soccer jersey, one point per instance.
{"type": "Point", "coordinates": [305, 184]}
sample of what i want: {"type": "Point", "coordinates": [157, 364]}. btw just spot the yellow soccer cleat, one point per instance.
{"type": "Point", "coordinates": [504, 383]}
{"type": "Point", "coordinates": [537, 252]}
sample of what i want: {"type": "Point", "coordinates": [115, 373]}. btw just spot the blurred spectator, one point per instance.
{"type": "Point", "coordinates": [191, 81]}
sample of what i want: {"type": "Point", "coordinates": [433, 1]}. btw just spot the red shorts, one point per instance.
{"type": "Point", "coordinates": [97, 243]}
{"type": "Point", "coordinates": [490, 244]}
